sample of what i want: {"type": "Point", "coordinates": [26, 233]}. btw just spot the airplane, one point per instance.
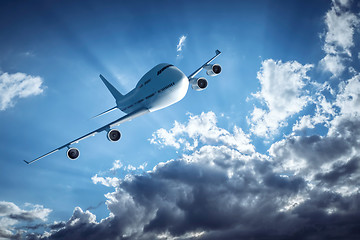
{"type": "Point", "coordinates": [160, 87]}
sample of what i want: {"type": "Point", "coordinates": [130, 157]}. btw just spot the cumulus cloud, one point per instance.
{"type": "Point", "coordinates": [304, 123]}
{"type": "Point", "coordinates": [348, 99]}
{"type": "Point", "coordinates": [202, 129]}
{"type": "Point", "coordinates": [282, 92]}
{"type": "Point", "coordinates": [106, 181]}
{"type": "Point", "coordinates": [11, 215]}
{"type": "Point", "coordinates": [18, 85]}
{"type": "Point", "coordinates": [333, 64]}
{"type": "Point", "coordinates": [341, 24]}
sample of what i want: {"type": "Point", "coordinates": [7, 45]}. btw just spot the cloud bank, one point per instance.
{"type": "Point", "coordinates": [305, 188]}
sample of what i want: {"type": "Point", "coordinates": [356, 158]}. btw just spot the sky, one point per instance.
{"type": "Point", "coordinates": [270, 150]}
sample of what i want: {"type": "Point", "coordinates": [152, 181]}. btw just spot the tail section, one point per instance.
{"type": "Point", "coordinates": [116, 94]}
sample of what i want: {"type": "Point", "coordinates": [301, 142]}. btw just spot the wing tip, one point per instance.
{"type": "Point", "coordinates": [26, 162]}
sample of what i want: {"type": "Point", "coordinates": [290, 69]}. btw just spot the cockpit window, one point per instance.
{"type": "Point", "coordinates": [161, 70]}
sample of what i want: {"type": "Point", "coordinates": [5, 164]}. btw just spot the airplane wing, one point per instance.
{"type": "Point", "coordinates": [217, 52]}
{"type": "Point", "coordinates": [115, 123]}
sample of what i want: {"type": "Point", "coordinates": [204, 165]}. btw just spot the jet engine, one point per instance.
{"type": "Point", "coordinates": [213, 69]}
{"type": "Point", "coordinates": [198, 84]}
{"type": "Point", "coordinates": [73, 153]}
{"type": "Point", "coordinates": [113, 135]}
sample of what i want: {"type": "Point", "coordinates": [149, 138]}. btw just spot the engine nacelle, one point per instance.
{"type": "Point", "coordinates": [73, 153]}
{"type": "Point", "coordinates": [198, 84]}
{"type": "Point", "coordinates": [113, 135]}
{"type": "Point", "coordinates": [213, 69]}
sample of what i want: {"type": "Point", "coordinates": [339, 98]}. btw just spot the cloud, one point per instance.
{"type": "Point", "coordinates": [202, 129]}
{"type": "Point", "coordinates": [348, 99]}
{"type": "Point", "coordinates": [219, 191]}
{"type": "Point", "coordinates": [18, 85]}
{"type": "Point", "coordinates": [304, 123]}
{"type": "Point", "coordinates": [116, 165]}
{"type": "Point", "coordinates": [106, 181]}
{"type": "Point", "coordinates": [11, 215]}
{"type": "Point", "coordinates": [333, 64]}
{"type": "Point", "coordinates": [181, 43]}
{"type": "Point", "coordinates": [339, 37]}
{"type": "Point", "coordinates": [282, 92]}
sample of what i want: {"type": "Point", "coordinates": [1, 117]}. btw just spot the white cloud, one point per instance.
{"type": "Point", "coordinates": [282, 91]}
{"type": "Point", "coordinates": [202, 129]}
{"type": "Point", "coordinates": [36, 212]}
{"type": "Point", "coordinates": [80, 217]}
{"type": "Point", "coordinates": [130, 167]}
{"type": "Point", "coordinates": [333, 64]}
{"type": "Point", "coordinates": [303, 123]}
{"type": "Point", "coordinates": [106, 181]}
{"type": "Point", "coordinates": [11, 215]}
{"type": "Point", "coordinates": [166, 138]}
{"type": "Point", "coordinates": [116, 165]}
{"type": "Point", "coordinates": [341, 25]}
{"type": "Point", "coordinates": [181, 43]}
{"type": "Point", "coordinates": [18, 85]}
{"type": "Point", "coordinates": [348, 98]}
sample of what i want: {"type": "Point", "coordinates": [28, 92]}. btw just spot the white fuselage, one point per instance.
{"type": "Point", "coordinates": [162, 86]}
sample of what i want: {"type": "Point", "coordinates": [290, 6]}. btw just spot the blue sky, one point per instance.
{"type": "Point", "coordinates": [273, 141]}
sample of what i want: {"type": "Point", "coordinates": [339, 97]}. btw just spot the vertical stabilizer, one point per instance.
{"type": "Point", "coordinates": [116, 94]}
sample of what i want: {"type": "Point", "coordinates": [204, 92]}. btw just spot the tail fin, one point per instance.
{"type": "Point", "coordinates": [117, 95]}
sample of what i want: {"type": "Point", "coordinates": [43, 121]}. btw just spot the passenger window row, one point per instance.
{"type": "Point", "coordinates": [166, 87]}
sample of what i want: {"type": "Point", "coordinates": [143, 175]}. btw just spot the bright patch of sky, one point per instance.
{"type": "Point", "coordinates": [273, 139]}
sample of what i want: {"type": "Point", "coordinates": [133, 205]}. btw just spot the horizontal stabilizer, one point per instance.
{"type": "Point", "coordinates": [105, 112]}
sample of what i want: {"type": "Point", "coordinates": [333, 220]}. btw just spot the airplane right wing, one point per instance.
{"type": "Point", "coordinates": [115, 123]}
{"type": "Point", "coordinates": [217, 52]}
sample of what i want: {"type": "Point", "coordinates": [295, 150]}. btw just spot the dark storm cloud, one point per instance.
{"type": "Point", "coordinates": [339, 172]}
{"type": "Point", "coordinates": [284, 183]}
{"type": "Point", "coordinates": [182, 197]}
{"type": "Point", "coordinates": [316, 150]}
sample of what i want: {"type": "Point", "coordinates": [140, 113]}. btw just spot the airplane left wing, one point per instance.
{"type": "Point", "coordinates": [115, 123]}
